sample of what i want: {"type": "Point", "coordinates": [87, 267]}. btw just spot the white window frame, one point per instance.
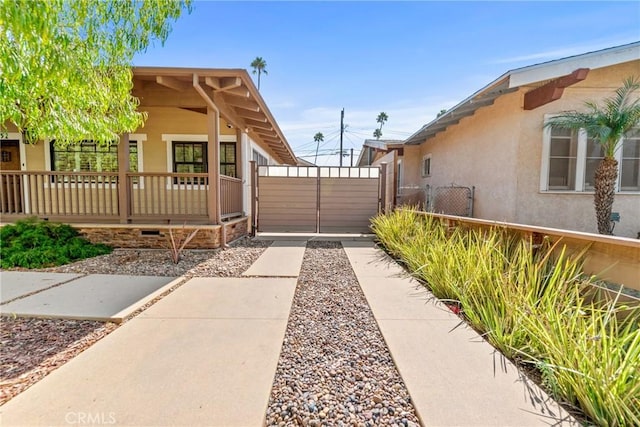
{"type": "Point", "coordinates": [261, 151]}
{"type": "Point", "coordinates": [581, 155]}
{"type": "Point", "coordinates": [423, 173]}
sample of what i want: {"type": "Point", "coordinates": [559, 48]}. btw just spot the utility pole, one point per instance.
{"type": "Point", "coordinates": [352, 157]}
{"type": "Point", "coordinates": [341, 133]}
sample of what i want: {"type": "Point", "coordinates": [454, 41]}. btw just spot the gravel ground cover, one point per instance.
{"type": "Point", "coordinates": [335, 368]}
{"type": "Point", "coordinates": [31, 348]}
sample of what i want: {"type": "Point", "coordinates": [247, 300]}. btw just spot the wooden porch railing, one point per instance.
{"type": "Point", "coordinates": [230, 196]}
{"type": "Point", "coordinates": [93, 196]}
{"type": "Point", "coordinates": [60, 194]}
{"type": "Point", "coordinates": [167, 196]}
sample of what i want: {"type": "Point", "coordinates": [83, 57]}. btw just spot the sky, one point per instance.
{"type": "Point", "coordinates": [408, 59]}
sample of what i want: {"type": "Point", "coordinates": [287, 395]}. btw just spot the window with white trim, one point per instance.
{"type": "Point", "coordinates": [89, 156]}
{"type": "Point", "coordinates": [426, 165]}
{"type": "Point", "coordinates": [259, 159]}
{"type": "Point", "coordinates": [570, 159]}
{"type": "Point", "coordinates": [630, 162]}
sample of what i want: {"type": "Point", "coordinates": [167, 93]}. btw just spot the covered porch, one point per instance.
{"type": "Point", "coordinates": [217, 113]}
{"type": "Point", "coordinates": [99, 197]}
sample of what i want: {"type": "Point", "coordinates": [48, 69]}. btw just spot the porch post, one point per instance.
{"type": "Point", "coordinates": [124, 197]}
{"type": "Point", "coordinates": [213, 165]}
{"type": "Point", "coordinates": [254, 201]}
{"type": "Point", "coordinates": [239, 154]}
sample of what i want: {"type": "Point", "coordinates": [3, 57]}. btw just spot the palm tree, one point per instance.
{"type": "Point", "coordinates": [318, 138]}
{"type": "Point", "coordinates": [606, 124]}
{"type": "Point", "coordinates": [382, 119]}
{"type": "Point", "coordinates": [259, 66]}
{"type": "Point", "coordinates": [377, 133]}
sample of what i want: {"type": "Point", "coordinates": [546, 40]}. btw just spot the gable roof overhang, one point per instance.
{"type": "Point", "coordinates": [566, 69]}
{"type": "Point", "coordinates": [233, 93]}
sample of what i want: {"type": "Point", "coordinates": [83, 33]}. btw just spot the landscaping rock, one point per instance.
{"type": "Point", "coordinates": [334, 363]}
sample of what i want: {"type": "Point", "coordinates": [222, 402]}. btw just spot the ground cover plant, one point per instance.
{"type": "Point", "coordinates": [528, 300]}
{"type": "Point", "coordinates": [32, 243]}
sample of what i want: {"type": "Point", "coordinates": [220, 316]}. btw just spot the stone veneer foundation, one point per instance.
{"type": "Point", "coordinates": [146, 236]}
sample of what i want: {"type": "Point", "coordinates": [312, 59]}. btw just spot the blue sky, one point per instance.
{"type": "Point", "coordinates": [408, 59]}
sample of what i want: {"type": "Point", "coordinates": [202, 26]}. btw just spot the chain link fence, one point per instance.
{"type": "Point", "coordinates": [451, 200]}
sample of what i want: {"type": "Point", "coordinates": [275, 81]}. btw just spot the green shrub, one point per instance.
{"type": "Point", "coordinates": [32, 243]}
{"type": "Point", "coordinates": [529, 303]}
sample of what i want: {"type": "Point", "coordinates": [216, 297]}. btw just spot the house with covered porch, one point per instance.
{"type": "Point", "coordinates": [189, 164]}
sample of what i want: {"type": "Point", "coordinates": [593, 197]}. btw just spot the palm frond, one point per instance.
{"type": "Point", "coordinates": [609, 122]}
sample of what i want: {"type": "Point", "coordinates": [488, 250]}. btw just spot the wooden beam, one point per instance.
{"type": "Point", "coordinates": [259, 125]}
{"type": "Point", "coordinates": [124, 196]}
{"type": "Point", "coordinates": [242, 103]}
{"type": "Point", "coordinates": [237, 91]}
{"type": "Point", "coordinates": [201, 110]}
{"type": "Point", "coordinates": [213, 165]}
{"type": "Point", "coordinates": [213, 82]}
{"type": "Point", "coordinates": [227, 112]}
{"type": "Point", "coordinates": [251, 115]}
{"type": "Point", "coordinates": [552, 90]}
{"type": "Point", "coordinates": [173, 83]}
{"type": "Point", "coordinates": [223, 83]}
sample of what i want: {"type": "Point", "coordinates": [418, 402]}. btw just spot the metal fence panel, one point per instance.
{"type": "Point", "coordinates": [452, 200]}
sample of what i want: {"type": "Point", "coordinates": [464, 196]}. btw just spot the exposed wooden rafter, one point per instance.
{"type": "Point", "coordinates": [258, 125]}
{"type": "Point", "coordinates": [251, 115]}
{"type": "Point", "coordinates": [223, 83]}
{"type": "Point", "coordinates": [173, 83]}
{"type": "Point", "coordinates": [228, 112]}
{"type": "Point", "coordinates": [552, 90]}
{"type": "Point", "coordinates": [242, 103]}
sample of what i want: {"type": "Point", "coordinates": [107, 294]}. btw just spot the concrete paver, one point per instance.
{"type": "Point", "coordinates": [17, 283]}
{"type": "Point", "coordinates": [454, 377]}
{"type": "Point", "coordinates": [282, 259]}
{"type": "Point", "coordinates": [94, 297]}
{"type": "Point", "coordinates": [228, 298]}
{"type": "Point", "coordinates": [209, 364]}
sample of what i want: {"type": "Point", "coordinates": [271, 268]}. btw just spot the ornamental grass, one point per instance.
{"type": "Point", "coordinates": [528, 300]}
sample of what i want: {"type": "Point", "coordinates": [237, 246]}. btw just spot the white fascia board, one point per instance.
{"type": "Point", "coordinates": [562, 67]}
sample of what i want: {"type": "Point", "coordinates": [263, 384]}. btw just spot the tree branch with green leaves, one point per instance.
{"type": "Point", "coordinates": [66, 65]}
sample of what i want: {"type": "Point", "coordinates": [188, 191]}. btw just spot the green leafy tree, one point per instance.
{"type": "Point", "coordinates": [65, 64]}
{"type": "Point", "coordinates": [377, 133]}
{"type": "Point", "coordinates": [607, 123]}
{"type": "Point", "coordinates": [441, 112]}
{"type": "Point", "coordinates": [318, 138]}
{"type": "Point", "coordinates": [259, 66]}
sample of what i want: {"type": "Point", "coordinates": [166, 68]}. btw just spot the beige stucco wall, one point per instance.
{"type": "Point", "coordinates": [498, 150]}
{"type": "Point", "coordinates": [571, 210]}
{"type": "Point", "coordinates": [479, 151]}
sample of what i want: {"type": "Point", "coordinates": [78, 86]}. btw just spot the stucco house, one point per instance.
{"type": "Point", "coordinates": [189, 163]}
{"type": "Point", "coordinates": [496, 141]}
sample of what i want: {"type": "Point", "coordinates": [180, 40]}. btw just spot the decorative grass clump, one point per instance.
{"type": "Point", "coordinates": [32, 243]}
{"type": "Point", "coordinates": [528, 301]}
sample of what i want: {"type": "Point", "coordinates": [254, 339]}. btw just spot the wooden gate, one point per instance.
{"type": "Point", "coordinates": [315, 199]}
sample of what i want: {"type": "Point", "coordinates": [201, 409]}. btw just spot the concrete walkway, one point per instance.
{"type": "Point", "coordinates": [454, 377]}
{"type": "Point", "coordinates": [207, 354]}
{"type": "Point", "coordinates": [103, 297]}
{"type": "Point", "coordinates": [282, 259]}
{"type": "Point", "coordinates": [204, 355]}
